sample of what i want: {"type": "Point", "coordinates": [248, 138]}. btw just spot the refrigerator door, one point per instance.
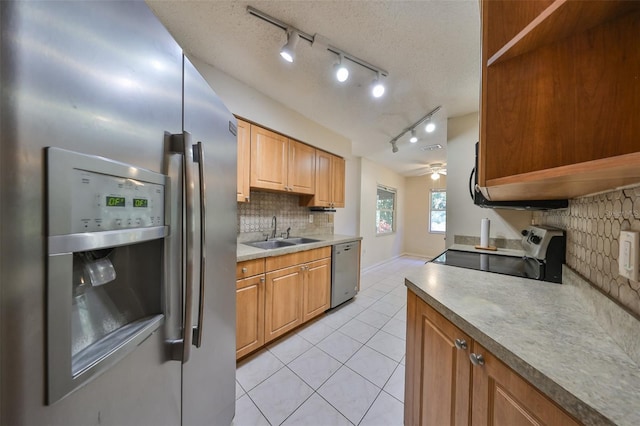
{"type": "Point", "coordinates": [208, 383]}
{"type": "Point", "coordinates": [100, 78]}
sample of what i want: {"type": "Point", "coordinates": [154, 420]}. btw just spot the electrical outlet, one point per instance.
{"type": "Point", "coordinates": [628, 255]}
{"type": "Point", "coordinates": [310, 218]}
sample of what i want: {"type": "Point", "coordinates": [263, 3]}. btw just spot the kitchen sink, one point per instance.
{"type": "Point", "coordinates": [266, 245]}
{"type": "Point", "coordinates": [301, 240]}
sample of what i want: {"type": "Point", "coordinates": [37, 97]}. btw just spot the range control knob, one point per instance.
{"type": "Point", "coordinates": [535, 239]}
{"type": "Point", "coordinates": [524, 232]}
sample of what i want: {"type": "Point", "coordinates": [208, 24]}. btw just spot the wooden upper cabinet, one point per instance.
{"type": "Point", "coordinates": [559, 98]}
{"type": "Point", "coordinates": [330, 182]}
{"type": "Point", "coordinates": [302, 168]}
{"type": "Point", "coordinates": [244, 160]}
{"type": "Point", "coordinates": [270, 155]}
{"type": "Point", "coordinates": [338, 181]}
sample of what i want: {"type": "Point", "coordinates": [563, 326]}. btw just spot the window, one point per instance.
{"type": "Point", "coordinates": [438, 211]}
{"type": "Point", "coordinates": [385, 210]}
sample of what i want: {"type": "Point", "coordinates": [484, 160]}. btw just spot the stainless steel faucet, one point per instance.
{"type": "Point", "coordinates": [274, 223]}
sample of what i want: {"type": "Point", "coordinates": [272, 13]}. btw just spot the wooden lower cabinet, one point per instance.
{"type": "Point", "coordinates": [277, 294]}
{"type": "Point", "coordinates": [502, 397]}
{"type": "Point", "coordinates": [249, 314]}
{"type": "Point", "coordinates": [438, 375]}
{"type": "Point", "coordinates": [316, 294]}
{"type": "Point", "coordinates": [443, 387]}
{"type": "Point", "coordinates": [283, 310]}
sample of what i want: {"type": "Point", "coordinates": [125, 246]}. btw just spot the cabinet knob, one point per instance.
{"type": "Point", "coordinates": [461, 344]}
{"type": "Point", "coordinates": [244, 270]}
{"type": "Point", "coordinates": [246, 198]}
{"type": "Point", "coordinates": [476, 359]}
{"type": "Point", "coordinates": [262, 280]}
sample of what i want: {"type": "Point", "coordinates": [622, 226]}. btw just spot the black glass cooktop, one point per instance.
{"type": "Point", "coordinates": [508, 265]}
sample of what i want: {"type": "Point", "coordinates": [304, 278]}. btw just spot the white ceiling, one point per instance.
{"type": "Point", "coordinates": [431, 50]}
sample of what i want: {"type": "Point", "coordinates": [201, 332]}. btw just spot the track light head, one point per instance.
{"type": "Point", "coordinates": [413, 138]}
{"type": "Point", "coordinates": [431, 126]}
{"type": "Point", "coordinates": [394, 147]}
{"type": "Point", "coordinates": [342, 72]}
{"type": "Point", "coordinates": [288, 50]}
{"type": "Point", "coordinates": [378, 88]}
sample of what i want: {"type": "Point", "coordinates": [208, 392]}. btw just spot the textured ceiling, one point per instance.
{"type": "Point", "coordinates": [431, 50]}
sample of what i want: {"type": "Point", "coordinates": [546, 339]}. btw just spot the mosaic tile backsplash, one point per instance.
{"type": "Point", "coordinates": [255, 218]}
{"type": "Point", "coordinates": [593, 227]}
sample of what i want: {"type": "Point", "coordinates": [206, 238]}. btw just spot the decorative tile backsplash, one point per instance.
{"type": "Point", "coordinates": [593, 227]}
{"type": "Point", "coordinates": [496, 242]}
{"type": "Point", "coordinates": [256, 217]}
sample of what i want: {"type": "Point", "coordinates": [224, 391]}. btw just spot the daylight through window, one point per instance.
{"type": "Point", "coordinates": [438, 211]}
{"type": "Point", "coordinates": [385, 210]}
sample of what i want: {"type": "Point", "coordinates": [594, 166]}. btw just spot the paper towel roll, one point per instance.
{"type": "Point", "coordinates": [484, 232]}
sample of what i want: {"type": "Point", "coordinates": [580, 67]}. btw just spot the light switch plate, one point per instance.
{"type": "Point", "coordinates": [628, 255]}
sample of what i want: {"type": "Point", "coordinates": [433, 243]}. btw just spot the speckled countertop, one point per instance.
{"type": "Point", "coordinates": [547, 333]}
{"type": "Point", "coordinates": [246, 252]}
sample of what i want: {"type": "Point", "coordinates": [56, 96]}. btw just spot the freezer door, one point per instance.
{"type": "Point", "coordinates": [208, 382]}
{"type": "Point", "coordinates": [101, 78]}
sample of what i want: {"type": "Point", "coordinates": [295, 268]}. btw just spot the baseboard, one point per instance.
{"type": "Point", "coordinates": [419, 255]}
{"type": "Point", "coordinates": [379, 264]}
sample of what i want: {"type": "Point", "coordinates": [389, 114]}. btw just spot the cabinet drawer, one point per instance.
{"type": "Point", "coordinates": [249, 268]}
{"type": "Point", "coordinates": [292, 259]}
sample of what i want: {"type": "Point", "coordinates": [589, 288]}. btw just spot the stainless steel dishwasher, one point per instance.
{"type": "Point", "coordinates": [344, 272]}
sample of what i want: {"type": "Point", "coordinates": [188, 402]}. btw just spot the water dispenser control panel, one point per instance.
{"type": "Point", "coordinates": [102, 202]}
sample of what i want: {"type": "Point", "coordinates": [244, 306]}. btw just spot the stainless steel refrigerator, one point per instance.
{"type": "Point", "coordinates": [117, 222]}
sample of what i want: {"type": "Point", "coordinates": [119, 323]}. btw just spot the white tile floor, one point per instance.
{"type": "Point", "coordinates": [345, 368]}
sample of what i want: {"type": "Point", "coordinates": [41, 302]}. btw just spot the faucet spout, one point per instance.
{"type": "Point", "coordinates": [274, 223]}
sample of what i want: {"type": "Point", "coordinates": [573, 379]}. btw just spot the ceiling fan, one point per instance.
{"type": "Point", "coordinates": [436, 169]}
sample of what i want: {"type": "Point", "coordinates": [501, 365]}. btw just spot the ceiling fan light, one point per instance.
{"type": "Point", "coordinates": [288, 50]}
{"type": "Point", "coordinates": [435, 175]}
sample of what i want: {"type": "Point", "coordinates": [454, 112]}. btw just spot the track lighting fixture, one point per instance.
{"type": "Point", "coordinates": [394, 147]}
{"type": "Point", "coordinates": [414, 138]}
{"type": "Point", "coordinates": [288, 51]}
{"type": "Point", "coordinates": [378, 88]}
{"type": "Point", "coordinates": [429, 128]}
{"type": "Point", "coordinates": [342, 72]}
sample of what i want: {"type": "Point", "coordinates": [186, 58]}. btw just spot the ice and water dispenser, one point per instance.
{"type": "Point", "coordinates": [106, 230]}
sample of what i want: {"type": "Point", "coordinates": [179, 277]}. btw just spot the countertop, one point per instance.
{"type": "Point", "coordinates": [245, 252]}
{"type": "Point", "coordinates": [500, 251]}
{"type": "Point", "coordinates": [547, 333]}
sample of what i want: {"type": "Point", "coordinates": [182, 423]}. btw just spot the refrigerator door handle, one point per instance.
{"type": "Point", "coordinates": [199, 158]}
{"type": "Point", "coordinates": [181, 143]}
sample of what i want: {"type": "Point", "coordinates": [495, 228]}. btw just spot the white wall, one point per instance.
{"type": "Point", "coordinates": [253, 105]}
{"type": "Point", "coordinates": [376, 249]}
{"type": "Point", "coordinates": [418, 241]}
{"type": "Point", "coordinates": [463, 217]}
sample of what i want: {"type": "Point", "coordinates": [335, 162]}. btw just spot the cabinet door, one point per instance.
{"type": "Point", "coordinates": [302, 168]}
{"type": "Point", "coordinates": [502, 397]}
{"type": "Point", "coordinates": [269, 154]}
{"type": "Point", "coordinates": [249, 314]}
{"type": "Point", "coordinates": [316, 288]}
{"type": "Point", "coordinates": [338, 181]}
{"type": "Point", "coordinates": [438, 375]}
{"type": "Point", "coordinates": [283, 304]}
{"type": "Point", "coordinates": [323, 194]}
{"type": "Point", "coordinates": [244, 160]}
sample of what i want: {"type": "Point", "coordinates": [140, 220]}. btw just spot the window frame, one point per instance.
{"type": "Point", "coordinates": [431, 210]}
{"type": "Point", "coordinates": [392, 210]}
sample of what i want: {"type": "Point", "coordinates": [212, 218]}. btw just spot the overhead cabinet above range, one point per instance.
{"type": "Point", "coordinates": [560, 93]}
